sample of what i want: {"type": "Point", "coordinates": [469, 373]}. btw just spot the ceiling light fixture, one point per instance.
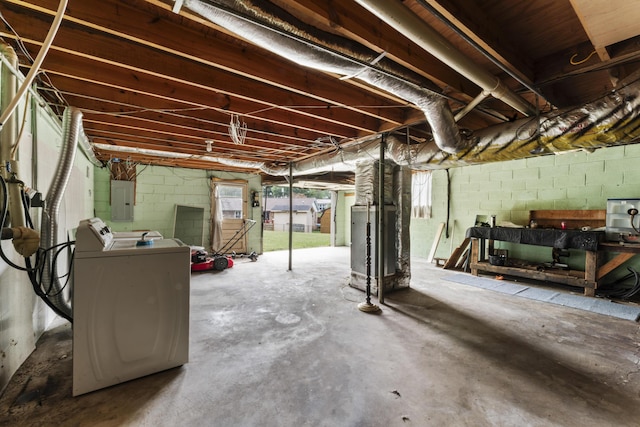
{"type": "Point", "coordinates": [209, 145]}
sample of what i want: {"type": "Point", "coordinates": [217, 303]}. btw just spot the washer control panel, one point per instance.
{"type": "Point", "coordinates": [93, 235]}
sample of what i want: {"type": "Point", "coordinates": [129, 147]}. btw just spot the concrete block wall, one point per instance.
{"type": "Point", "coordinates": [509, 190]}
{"type": "Point", "coordinates": [159, 189]}
{"type": "Point", "coordinates": [23, 316]}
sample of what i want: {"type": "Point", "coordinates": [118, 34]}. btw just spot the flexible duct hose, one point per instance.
{"type": "Point", "coordinates": [423, 94]}
{"type": "Point", "coordinates": [71, 130]}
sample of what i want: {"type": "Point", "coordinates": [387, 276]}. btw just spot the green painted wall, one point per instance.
{"type": "Point", "coordinates": [159, 189]}
{"type": "Point", "coordinates": [509, 190]}
{"type": "Point", "coordinates": [25, 316]}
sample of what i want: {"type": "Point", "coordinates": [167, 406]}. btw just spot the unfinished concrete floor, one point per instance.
{"type": "Point", "coordinates": [276, 348]}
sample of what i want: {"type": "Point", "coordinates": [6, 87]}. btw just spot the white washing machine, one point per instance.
{"type": "Point", "coordinates": [130, 307]}
{"type": "Point", "coordinates": [102, 228]}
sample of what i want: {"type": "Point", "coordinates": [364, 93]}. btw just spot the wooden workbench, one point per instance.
{"type": "Point", "coordinates": [589, 242]}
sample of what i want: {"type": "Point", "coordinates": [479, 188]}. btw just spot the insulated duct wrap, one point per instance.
{"type": "Point", "coordinates": [281, 33]}
{"type": "Point", "coordinates": [402, 199]}
{"type": "Point", "coordinates": [367, 183]}
{"type": "Point", "coordinates": [610, 121]}
{"type": "Point", "coordinates": [71, 130]}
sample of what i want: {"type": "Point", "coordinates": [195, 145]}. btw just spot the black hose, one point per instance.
{"type": "Point", "coordinates": [34, 272]}
{"type": "Point", "coordinates": [616, 289]}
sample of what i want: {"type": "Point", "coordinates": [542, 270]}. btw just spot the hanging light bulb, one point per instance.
{"type": "Point", "coordinates": [209, 145]}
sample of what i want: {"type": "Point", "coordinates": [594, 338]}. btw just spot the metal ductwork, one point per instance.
{"type": "Point", "coordinates": [71, 131]}
{"type": "Point", "coordinates": [281, 33]}
{"type": "Point", "coordinates": [610, 121]}
{"type": "Point", "coordinates": [395, 14]}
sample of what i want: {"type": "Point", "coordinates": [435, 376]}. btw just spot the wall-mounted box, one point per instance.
{"type": "Point", "coordinates": [122, 200]}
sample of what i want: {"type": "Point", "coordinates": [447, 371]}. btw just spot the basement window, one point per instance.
{"type": "Point", "coordinates": [421, 194]}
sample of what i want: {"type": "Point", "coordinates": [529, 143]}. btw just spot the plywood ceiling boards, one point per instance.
{"type": "Point", "coordinates": [608, 21]}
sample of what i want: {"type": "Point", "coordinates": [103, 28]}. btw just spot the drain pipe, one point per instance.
{"type": "Point", "coordinates": [395, 14]}
{"type": "Point", "coordinates": [8, 135]}
{"type": "Point", "coordinates": [71, 130]}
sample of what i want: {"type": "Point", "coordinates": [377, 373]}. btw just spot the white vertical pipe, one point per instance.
{"type": "Point", "coordinates": [8, 136]}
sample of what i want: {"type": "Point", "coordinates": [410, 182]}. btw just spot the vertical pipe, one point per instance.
{"type": "Point", "coordinates": [380, 229]}
{"type": "Point", "coordinates": [8, 137]}
{"type": "Point", "coordinates": [290, 216]}
{"type": "Point", "coordinates": [8, 86]}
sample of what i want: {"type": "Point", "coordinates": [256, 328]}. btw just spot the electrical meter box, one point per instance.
{"type": "Point", "coordinates": [623, 220]}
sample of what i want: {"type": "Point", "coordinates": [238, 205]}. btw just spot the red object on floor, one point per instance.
{"type": "Point", "coordinates": [209, 264]}
{"type": "Point", "coordinates": [202, 266]}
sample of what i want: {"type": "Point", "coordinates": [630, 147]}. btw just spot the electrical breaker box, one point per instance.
{"type": "Point", "coordinates": [122, 200]}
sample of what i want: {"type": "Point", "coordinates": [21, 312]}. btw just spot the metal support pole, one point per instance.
{"type": "Point", "coordinates": [380, 237]}
{"type": "Point", "coordinates": [290, 216]}
{"type": "Point", "coordinates": [367, 306]}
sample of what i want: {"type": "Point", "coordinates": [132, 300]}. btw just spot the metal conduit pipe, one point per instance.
{"type": "Point", "coordinates": [71, 130]}
{"type": "Point", "coordinates": [402, 19]}
{"type": "Point", "coordinates": [285, 43]}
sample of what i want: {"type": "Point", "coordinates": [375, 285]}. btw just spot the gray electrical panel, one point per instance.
{"type": "Point", "coordinates": [358, 240]}
{"type": "Point", "coordinates": [122, 193]}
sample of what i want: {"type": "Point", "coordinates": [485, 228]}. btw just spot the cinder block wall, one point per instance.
{"type": "Point", "coordinates": [24, 317]}
{"type": "Point", "coordinates": [509, 190]}
{"type": "Point", "coordinates": [159, 189]}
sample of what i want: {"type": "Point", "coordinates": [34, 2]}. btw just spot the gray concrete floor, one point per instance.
{"type": "Point", "coordinates": [271, 347]}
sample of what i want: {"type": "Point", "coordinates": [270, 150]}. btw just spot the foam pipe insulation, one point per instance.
{"type": "Point", "coordinates": [282, 34]}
